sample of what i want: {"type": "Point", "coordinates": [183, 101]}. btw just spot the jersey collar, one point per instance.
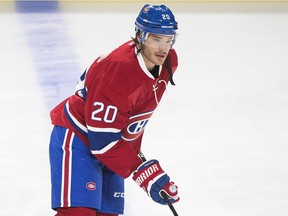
{"type": "Point", "coordinates": [143, 66]}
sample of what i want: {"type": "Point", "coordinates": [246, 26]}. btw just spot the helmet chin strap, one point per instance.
{"type": "Point", "coordinates": [168, 67]}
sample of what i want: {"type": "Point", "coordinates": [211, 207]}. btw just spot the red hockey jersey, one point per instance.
{"type": "Point", "coordinates": [112, 104]}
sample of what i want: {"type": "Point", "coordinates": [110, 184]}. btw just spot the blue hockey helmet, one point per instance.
{"type": "Point", "coordinates": [156, 20]}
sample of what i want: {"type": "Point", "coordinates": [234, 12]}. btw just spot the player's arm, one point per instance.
{"type": "Point", "coordinates": [107, 113]}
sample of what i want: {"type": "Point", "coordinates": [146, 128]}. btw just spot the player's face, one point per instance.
{"type": "Point", "coordinates": [155, 49]}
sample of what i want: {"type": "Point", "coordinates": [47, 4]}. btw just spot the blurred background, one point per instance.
{"type": "Point", "coordinates": [220, 133]}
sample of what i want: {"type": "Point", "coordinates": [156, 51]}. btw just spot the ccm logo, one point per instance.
{"type": "Point", "coordinates": [118, 194]}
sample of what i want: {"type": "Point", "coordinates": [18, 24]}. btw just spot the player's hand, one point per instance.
{"type": "Point", "coordinates": [155, 181]}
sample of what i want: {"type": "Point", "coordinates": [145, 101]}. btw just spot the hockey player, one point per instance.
{"type": "Point", "coordinates": [97, 132]}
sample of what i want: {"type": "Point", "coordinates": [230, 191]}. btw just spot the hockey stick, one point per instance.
{"type": "Point", "coordinates": [163, 194]}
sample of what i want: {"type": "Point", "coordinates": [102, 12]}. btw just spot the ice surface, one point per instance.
{"type": "Point", "coordinates": [221, 133]}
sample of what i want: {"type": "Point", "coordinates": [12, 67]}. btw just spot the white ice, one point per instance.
{"type": "Point", "coordinates": [221, 133]}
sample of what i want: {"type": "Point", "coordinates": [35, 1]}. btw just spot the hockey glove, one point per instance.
{"type": "Point", "coordinates": [154, 181]}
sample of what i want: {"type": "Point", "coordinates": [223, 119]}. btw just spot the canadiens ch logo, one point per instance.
{"type": "Point", "coordinates": [91, 186]}
{"type": "Point", "coordinates": [136, 126]}
{"type": "Point", "coordinates": [146, 9]}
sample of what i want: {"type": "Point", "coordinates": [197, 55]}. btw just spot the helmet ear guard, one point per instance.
{"type": "Point", "coordinates": [142, 35]}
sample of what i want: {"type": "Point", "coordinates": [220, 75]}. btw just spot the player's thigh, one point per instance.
{"type": "Point", "coordinates": [76, 175]}
{"type": "Point", "coordinates": [113, 193]}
